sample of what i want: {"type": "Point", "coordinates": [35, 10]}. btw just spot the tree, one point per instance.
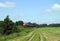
{"type": "Point", "coordinates": [29, 23]}
{"type": "Point", "coordinates": [19, 23]}
{"type": "Point", "coordinates": [1, 23]}
{"type": "Point", "coordinates": [1, 26]}
{"type": "Point", "coordinates": [8, 26]}
{"type": "Point", "coordinates": [54, 25]}
{"type": "Point", "coordinates": [34, 24]}
{"type": "Point", "coordinates": [43, 25]}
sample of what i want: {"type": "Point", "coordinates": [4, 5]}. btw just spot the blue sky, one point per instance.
{"type": "Point", "coordinates": [39, 11]}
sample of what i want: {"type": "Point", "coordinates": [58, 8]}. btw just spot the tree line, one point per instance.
{"type": "Point", "coordinates": [43, 25]}
{"type": "Point", "coordinates": [7, 26]}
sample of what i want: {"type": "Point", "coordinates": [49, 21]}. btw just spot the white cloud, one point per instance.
{"type": "Point", "coordinates": [7, 4]}
{"type": "Point", "coordinates": [54, 7]}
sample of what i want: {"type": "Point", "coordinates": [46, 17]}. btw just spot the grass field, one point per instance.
{"type": "Point", "coordinates": [35, 34]}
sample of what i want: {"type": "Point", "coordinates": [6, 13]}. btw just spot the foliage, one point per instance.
{"type": "Point", "coordinates": [19, 23]}
{"type": "Point", "coordinates": [8, 26]}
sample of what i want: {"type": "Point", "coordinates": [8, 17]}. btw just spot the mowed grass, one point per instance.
{"type": "Point", "coordinates": [23, 32]}
{"type": "Point", "coordinates": [36, 36]}
{"type": "Point", "coordinates": [51, 34]}
{"type": "Point", "coordinates": [39, 34]}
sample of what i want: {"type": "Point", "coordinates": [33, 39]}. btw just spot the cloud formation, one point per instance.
{"type": "Point", "coordinates": [54, 7]}
{"type": "Point", "coordinates": [7, 4]}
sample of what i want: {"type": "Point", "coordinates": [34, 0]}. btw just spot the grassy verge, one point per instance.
{"type": "Point", "coordinates": [23, 32]}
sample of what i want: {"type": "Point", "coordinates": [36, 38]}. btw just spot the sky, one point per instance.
{"type": "Point", "coordinates": [38, 11]}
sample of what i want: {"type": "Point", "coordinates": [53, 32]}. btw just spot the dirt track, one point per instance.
{"type": "Point", "coordinates": [36, 35]}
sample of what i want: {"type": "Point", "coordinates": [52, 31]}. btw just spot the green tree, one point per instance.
{"type": "Point", "coordinates": [1, 26]}
{"type": "Point", "coordinates": [1, 23]}
{"type": "Point", "coordinates": [8, 26]}
{"type": "Point", "coordinates": [19, 23]}
{"type": "Point", "coordinates": [29, 23]}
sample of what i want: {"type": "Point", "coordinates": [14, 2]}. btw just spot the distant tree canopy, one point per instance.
{"type": "Point", "coordinates": [19, 23]}
{"type": "Point", "coordinates": [33, 24]}
{"type": "Point", "coordinates": [43, 25]}
{"type": "Point", "coordinates": [29, 23]}
{"type": "Point", "coordinates": [54, 25]}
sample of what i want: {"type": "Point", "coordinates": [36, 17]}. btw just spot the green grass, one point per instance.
{"type": "Point", "coordinates": [53, 34]}
{"type": "Point", "coordinates": [36, 37]}
{"type": "Point", "coordinates": [28, 37]}
{"type": "Point", "coordinates": [23, 32]}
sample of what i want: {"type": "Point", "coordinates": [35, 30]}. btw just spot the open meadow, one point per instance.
{"type": "Point", "coordinates": [34, 34]}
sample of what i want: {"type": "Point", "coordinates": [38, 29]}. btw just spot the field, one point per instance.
{"type": "Point", "coordinates": [35, 34]}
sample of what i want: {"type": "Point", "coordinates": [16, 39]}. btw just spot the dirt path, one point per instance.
{"type": "Point", "coordinates": [37, 35]}
{"type": "Point", "coordinates": [41, 37]}
{"type": "Point", "coordinates": [21, 38]}
{"type": "Point", "coordinates": [31, 38]}
{"type": "Point", "coordinates": [50, 37]}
